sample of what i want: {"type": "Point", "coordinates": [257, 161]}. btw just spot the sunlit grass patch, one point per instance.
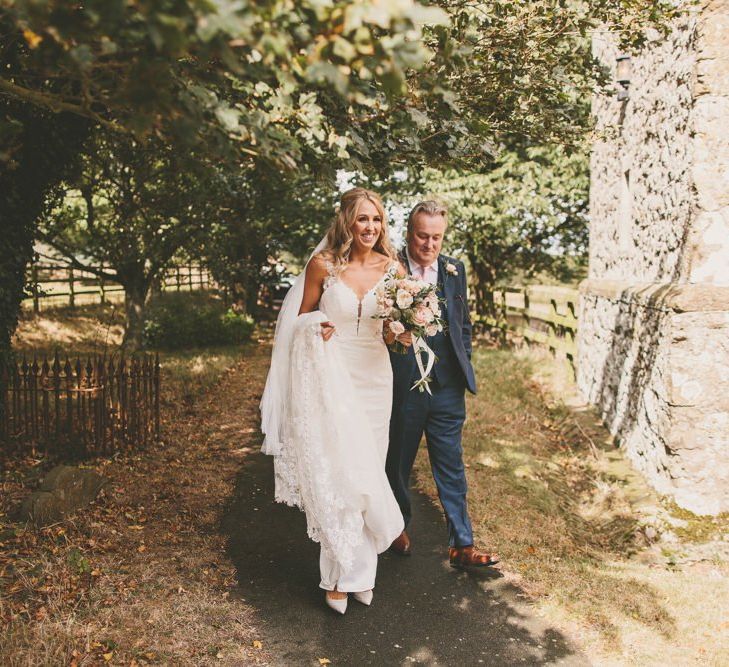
{"type": "Point", "coordinates": [549, 491]}
{"type": "Point", "coordinates": [190, 373]}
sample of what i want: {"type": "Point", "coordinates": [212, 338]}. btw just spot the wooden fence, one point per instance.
{"type": "Point", "coordinates": [54, 285]}
{"type": "Point", "coordinates": [78, 408]}
{"type": "Point", "coordinates": [540, 314]}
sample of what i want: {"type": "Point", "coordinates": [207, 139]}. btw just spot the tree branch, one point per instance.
{"type": "Point", "coordinates": [53, 104]}
{"type": "Point", "coordinates": [74, 261]}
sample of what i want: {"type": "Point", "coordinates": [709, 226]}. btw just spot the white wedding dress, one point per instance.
{"type": "Point", "coordinates": [330, 461]}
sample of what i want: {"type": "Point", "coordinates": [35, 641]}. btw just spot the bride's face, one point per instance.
{"type": "Point", "coordinates": [367, 226]}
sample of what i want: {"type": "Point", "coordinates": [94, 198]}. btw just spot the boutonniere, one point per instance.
{"type": "Point", "coordinates": [451, 269]}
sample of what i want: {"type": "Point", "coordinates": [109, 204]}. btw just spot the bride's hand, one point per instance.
{"type": "Point", "coordinates": [327, 330]}
{"type": "Point", "coordinates": [387, 335]}
{"type": "Point", "coordinates": [405, 338]}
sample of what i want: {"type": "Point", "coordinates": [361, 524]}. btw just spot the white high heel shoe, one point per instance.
{"type": "Point", "coordinates": [340, 606]}
{"type": "Point", "coordinates": [365, 597]}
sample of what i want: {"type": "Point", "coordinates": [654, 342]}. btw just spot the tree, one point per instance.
{"type": "Point", "coordinates": [289, 83]}
{"type": "Point", "coordinates": [265, 215]}
{"type": "Point", "coordinates": [128, 212]}
{"type": "Point", "coordinates": [375, 85]}
{"type": "Point", "coordinates": [525, 216]}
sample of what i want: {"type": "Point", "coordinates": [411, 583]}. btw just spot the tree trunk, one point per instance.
{"type": "Point", "coordinates": [483, 285]}
{"type": "Point", "coordinates": [44, 150]}
{"type": "Point", "coordinates": [252, 298]}
{"type": "Point", "coordinates": [135, 300]}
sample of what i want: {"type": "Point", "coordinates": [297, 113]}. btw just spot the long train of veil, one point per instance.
{"type": "Point", "coordinates": [277, 382]}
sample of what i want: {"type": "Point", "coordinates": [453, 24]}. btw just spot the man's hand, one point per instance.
{"type": "Point", "coordinates": [327, 330]}
{"type": "Point", "coordinates": [405, 338]}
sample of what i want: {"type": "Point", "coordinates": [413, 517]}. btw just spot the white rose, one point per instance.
{"type": "Point", "coordinates": [404, 299]}
{"type": "Point", "coordinates": [431, 329]}
{"type": "Point", "coordinates": [397, 328]}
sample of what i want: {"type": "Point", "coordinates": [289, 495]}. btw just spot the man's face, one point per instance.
{"type": "Point", "coordinates": [426, 238]}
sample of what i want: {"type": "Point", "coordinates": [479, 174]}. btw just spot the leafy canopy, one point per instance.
{"type": "Point", "coordinates": [366, 83]}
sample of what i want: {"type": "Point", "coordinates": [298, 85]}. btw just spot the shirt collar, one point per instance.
{"type": "Point", "coordinates": [412, 263]}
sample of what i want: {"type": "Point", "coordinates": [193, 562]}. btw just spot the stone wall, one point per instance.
{"type": "Point", "coordinates": [654, 314]}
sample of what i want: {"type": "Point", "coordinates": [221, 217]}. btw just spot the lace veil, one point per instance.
{"type": "Point", "coordinates": [274, 394]}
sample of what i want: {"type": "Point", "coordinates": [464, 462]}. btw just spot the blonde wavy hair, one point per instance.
{"type": "Point", "coordinates": [340, 237]}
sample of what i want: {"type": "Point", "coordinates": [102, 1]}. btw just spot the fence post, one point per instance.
{"type": "Point", "coordinates": [189, 275]}
{"type": "Point", "coordinates": [102, 286]}
{"type": "Point", "coordinates": [34, 288]}
{"type": "Point", "coordinates": [156, 394]}
{"type": "Point", "coordinates": [177, 274]}
{"type": "Point", "coordinates": [71, 293]}
{"type": "Point", "coordinates": [4, 408]}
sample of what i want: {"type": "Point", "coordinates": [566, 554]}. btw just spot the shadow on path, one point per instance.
{"type": "Point", "coordinates": [424, 612]}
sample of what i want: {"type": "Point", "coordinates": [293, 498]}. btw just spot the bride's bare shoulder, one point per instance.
{"type": "Point", "coordinates": [320, 259]}
{"type": "Point", "coordinates": [389, 264]}
{"type": "Point", "coordinates": [384, 262]}
{"type": "Point", "coordinates": [318, 266]}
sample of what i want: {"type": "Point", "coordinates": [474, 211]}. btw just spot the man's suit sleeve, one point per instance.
{"type": "Point", "coordinates": [467, 326]}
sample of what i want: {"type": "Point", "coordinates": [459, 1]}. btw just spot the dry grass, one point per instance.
{"type": "Point", "coordinates": [141, 576]}
{"type": "Point", "coordinates": [546, 493]}
{"type": "Point", "coordinates": [83, 330]}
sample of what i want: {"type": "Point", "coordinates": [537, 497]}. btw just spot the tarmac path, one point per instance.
{"type": "Point", "coordinates": [424, 612]}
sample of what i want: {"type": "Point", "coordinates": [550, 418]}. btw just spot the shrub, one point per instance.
{"type": "Point", "coordinates": [178, 320]}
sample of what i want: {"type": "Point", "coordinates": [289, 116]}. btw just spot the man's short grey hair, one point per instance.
{"type": "Point", "coordinates": [429, 207]}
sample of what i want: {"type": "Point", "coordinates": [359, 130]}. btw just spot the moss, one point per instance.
{"type": "Point", "coordinates": [698, 528]}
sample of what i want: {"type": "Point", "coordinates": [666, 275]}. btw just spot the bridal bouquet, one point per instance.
{"type": "Point", "coordinates": [411, 305]}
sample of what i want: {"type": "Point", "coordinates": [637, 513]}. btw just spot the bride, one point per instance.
{"type": "Point", "coordinates": [325, 410]}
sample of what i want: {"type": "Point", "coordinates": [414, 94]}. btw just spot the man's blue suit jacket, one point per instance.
{"type": "Point", "coordinates": [455, 292]}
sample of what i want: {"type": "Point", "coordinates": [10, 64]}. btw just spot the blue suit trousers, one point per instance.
{"type": "Point", "coordinates": [440, 417]}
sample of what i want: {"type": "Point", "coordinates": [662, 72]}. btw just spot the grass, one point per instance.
{"type": "Point", "coordinates": [547, 491]}
{"type": "Point", "coordinates": [87, 329]}
{"type": "Point", "coordinates": [140, 576]}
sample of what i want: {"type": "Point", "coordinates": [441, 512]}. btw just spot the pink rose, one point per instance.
{"type": "Point", "coordinates": [397, 328]}
{"type": "Point", "coordinates": [420, 316]}
{"type": "Point", "coordinates": [431, 329]}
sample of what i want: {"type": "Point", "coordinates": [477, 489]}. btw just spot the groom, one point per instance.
{"type": "Point", "coordinates": [440, 415]}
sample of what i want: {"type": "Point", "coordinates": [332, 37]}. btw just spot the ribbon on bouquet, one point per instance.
{"type": "Point", "coordinates": [420, 346]}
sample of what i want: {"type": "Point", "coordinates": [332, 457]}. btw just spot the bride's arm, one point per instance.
{"type": "Point", "coordinates": [316, 272]}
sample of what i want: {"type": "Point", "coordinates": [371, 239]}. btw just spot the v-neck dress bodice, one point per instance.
{"type": "Point", "coordinates": [353, 317]}
{"type": "Point", "coordinates": [358, 336]}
